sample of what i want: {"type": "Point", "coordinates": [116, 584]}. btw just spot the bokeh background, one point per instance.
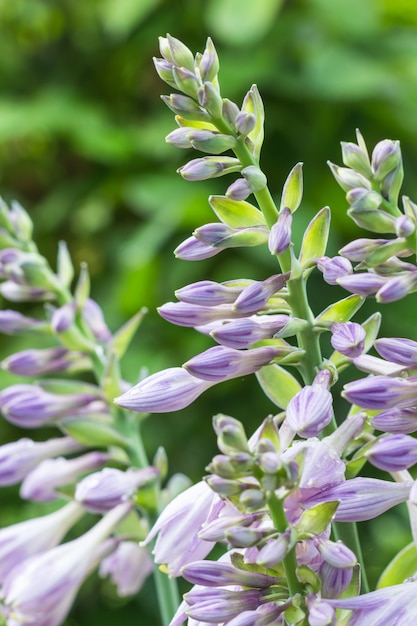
{"type": "Point", "coordinates": [82, 148]}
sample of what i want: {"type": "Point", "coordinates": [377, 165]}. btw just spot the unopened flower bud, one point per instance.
{"type": "Point", "coordinates": [334, 268]}
{"type": "Point", "coordinates": [209, 62]}
{"type": "Point", "coordinates": [404, 226]}
{"type": "Point", "coordinates": [348, 179]}
{"type": "Point", "coordinates": [354, 157]}
{"type": "Point", "coordinates": [209, 167]}
{"type": "Point", "coordinates": [348, 338]}
{"type": "Point", "coordinates": [274, 550]}
{"type": "Point", "coordinates": [386, 157]}
{"type": "Point", "coordinates": [245, 122]}
{"type": "Point", "coordinates": [230, 433]}
{"type": "Point", "coordinates": [176, 51]}
{"type": "Point", "coordinates": [280, 236]}
{"type": "Point", "coordinates": [210, 99]}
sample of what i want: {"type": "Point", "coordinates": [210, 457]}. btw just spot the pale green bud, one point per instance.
{"type": "Point", "coordinates": [209, 98]}
{"type": "Point", "coordinates": [209, 62]}
{"type": "Point", "coordinates": [292, 192]}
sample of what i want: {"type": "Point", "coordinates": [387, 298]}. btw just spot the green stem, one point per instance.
{"type": "Point", "coordinates": [289, 562]}
{"type": "Point", "coordinates": [348, 533]}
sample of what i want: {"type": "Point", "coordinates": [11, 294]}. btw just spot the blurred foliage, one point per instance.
{"type": "Point", "coordinates": [82, 148]}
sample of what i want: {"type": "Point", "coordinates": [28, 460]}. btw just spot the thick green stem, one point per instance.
{"type": "Point", "coordinates": [289, 562]}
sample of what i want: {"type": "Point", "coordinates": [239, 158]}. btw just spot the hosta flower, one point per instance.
{"type": "Point", "coordinates": [31, 594]}
{"type": "Point", "coordinates": [128, 567]}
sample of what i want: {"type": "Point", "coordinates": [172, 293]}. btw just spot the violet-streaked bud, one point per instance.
{"type": "Point", "coordinates": [209, 98]}
{"type": "Point", "coordinates": [29, 406]}
{"type": "Point", "coordinates": [243, 333]}
{"type": "Point", "coordinates": [309, 411]}
{"type": "Point", "coordinates": [231, 436]}
{"type": "Point", "coordinates": [335, 553]}
{"type": "Point", "coordinates": [164, 70]}
{"type": "Point", "coordinates": [186, 81]}
{"type": "Point", "coordinates": [184, 106]}
{"type": "Point", "coordinates": [31, 594]}
{"type": "Point", "coordinates": [13, 323]}
{"type": "Point", "coordinates": [24, 293]}
{"type": "Point", "coordinates": [239, 537]}
{"type": "Point", "coordinates": [364, 284]}
{"type": "Point", "coordinates": [63, 318]}
{"type": "Point", "coordinates": [377, 221]}
{"type": "Point", "coordinates": [357, 159]}
{"type": "Point", "coordinates": [25, 539]}
{"type": "Point", "coordinates": [177, 528]}
{"type": "Point", "coordinates": [220, 605]}
{"type": "Point", "coordinates": [209, 62]}
{"type": "Point", "coordinates": [163, 392]}
{"type": "Point", "coordinates": [320, 613]}
{"type": "Point", "coordinates": [127, 567]}
{"type": "Point", "coordinates": [397, 349]}
{"type": "Point", "coordinates": [209, 167]}
{"type": "Point", "coordinates": [221, 363]}
{"type": "Point", "coordinates": [348, 338]}
{"type": "Point", "coordinates": [396, 420]}
{"type": "Point", "coordinates": [397, 287]}
{"type": "Point", "coordinates": [348, 179]}
{"type": "Point", "coordinates": [404, 226]}
{"type": "Point", "coordinates": [93, 316]}
{"type": "Point", "coordinates": [275, 550]}
{"type": "Point", "coordinates": [216, 574]}
{"type": "Point", "coordinates": [239, 190]}
{"type": "Point", "coordinates": [255, 297]}
{"type": "Point", "coordinates": [45, 361]}
{"type": "Point", "coordinates": [334, 268]}
{"type": "Point", "coordinates": [362, 199]}
{"type": "Point", "coordinates": [374, 365]}
{"type": "Point", "coordinates": [43, 482]}
{"type": "Point", "coordinates": [215, 529]}
{"type": "Point", "coordinates": [186, 314]}
{"type": "Point", "coordinates": [360, 249]}
{"type": "Point", "coordinates": [393, 453]}
{"type": "Point", "coordinates": [209, 141]}
{"type": "Point", "coordinates": [245, 122]}
{"type": "Point", "coordinates": [192, 249]}
{"type": "Point", "coordinates": [280, 236]}
{"type": "Point", "coordinates": [334, 580]}
{"type": "Point", "coordinates": [230, 111]}
{"type": "Point", "coordinates": [176, 52]}
{"type": "Point", "coordinates": [362, 498]}
{"type": "Point", "coordinates": [18, 458]}
{"type": "Point", "coordinates": [101, 491]}
{"type": "Point", "coordinates": [209, 293]}
{"type": "Point", "coordinates": [382, 392]}
{"type": "Point", "coordinates": [386, 157]}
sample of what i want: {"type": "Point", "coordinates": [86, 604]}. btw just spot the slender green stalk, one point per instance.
{"type": "Point", "coordinates": [348, 533]}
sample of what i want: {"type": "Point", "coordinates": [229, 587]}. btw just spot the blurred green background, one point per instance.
{"type": "Point", "coordinates": [82, 148]}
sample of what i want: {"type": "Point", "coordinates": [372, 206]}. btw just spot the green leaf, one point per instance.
{"type": "Point", "coordinates": [236, 213]}
{"type": "Point", "coordinates": [292, 192]}
{"type": "Point", "coordinates": [278, 384]}
{"type": "Point", "coordinates": [340, 311]}
{"type": "Point", "coordinates": [315, 238]}
{"type": "Point", "coordinates": [316, 520]}
{"type": "Point", "coordinates": [402, 566]}
{"type": "Point", "coordinates": [94, 434]}
{"type": "Point", "coordinates": [371, 326]}
{"type": "Point", "coordinates": [122, 338]}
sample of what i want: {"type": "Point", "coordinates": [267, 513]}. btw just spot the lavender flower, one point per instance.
{"type": "Point", "coordinates": [334, 268]}
{"type": "Point", "coordinates": [243, 333]}
{"type": "Point", "coordinates": [12, 322]}
{"type": "Point", "coordinates": [280, 236]}
{"type": "Point", "coordinates": [42, 483]}
{"type": "Point", "coordinates": [30, 593]}
{"type": "Point", "coordinates": [393, 453]}
{"type": "Point", "coordinates": [382, 392]}
{"type": "Point", "coordinates": [398, 350]}
{"type": "Point", "coordinates": [34, 536]}
{"type": "Point", "coordinates": [102, 491]}
{"type": "Point", "coordinates": [348, 338]}
{"type": "Point", "coordinates": [128, 567]}
{"type": "Point", "coordinates": [310, 411]}
{"type": "Point", "coordinates": [220, 363]}
{"type": "Point", "coordinates": [177, 528]}
{"type": "Point", "coordinates": [45, 361]}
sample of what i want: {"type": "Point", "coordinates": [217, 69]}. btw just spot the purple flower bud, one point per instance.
{"type": "Point", "coordinates": [356, 158]}
{"type": "Point", "coordinates": [209, 293]}
{"type": "Point", "coordinates": [362, 498]}
{"type": "Point", "coordinates": [29, 406]}
{"type": "Point", "coordinates": [186, 314]}
{"type": "Point", "coordinates": [255, 297]}
{"type": "Point", "coordinates": [280, 236]}
{"type": "Point", "coordinates": [334, 268]}
{"type": "Point", "coordinates": [404, 226]}
{"type": "Point", "coordinates": [102, 491]}
{"type": "Point", "coordinates": [12, 322]}
{"type": "Point", "coordinates": [178, 526]}
{"type": "Point", "coordinates": [220, 605]}
{"type": "Point", "coordinates": [31, 594]}
{"type": "Point", "coordinates": [320, 613]}
{"type": "Point", "coordinates": [373, 365]}
{"type": "Point", "coordinates": [163, 392]}
{"type": "Point", "coordinates": [51, 474]}
{"type": "Point", "coordinates": [209, 62]}
{"type": "Point", "coordinates": [176, 52]}
{"type": "Point", "coordinates": [216, 574]}
{"type": "Point", "coordinates": [364, 284]}
{"type": "Point", "coordinates": [45, 361]}
{"type": "Point", "coordinates": [336, 553]}
{"type": "Point", "coordinates": [128, 567]}
{"type": "Point", "coordinates": [63, 317]}
{"type": "Point", "coordinates": [360, 249]}
{"type": "Point", "coordinates": [397, 287]}
{"type": "Point", "coordinates": [382, 392]}
{"type": "Point", "coordinates": [23, 293]}
{"type": "Point", "coordinates": [239, 190]}
{"type": "Point", "coordinates": [386, 157]}
{"type": "Point", "coordinates": [183, 105]}
{"type": "Point", "coordinates": [398, 350]}
{"type": "Point", "coordinates": [211, 142]}
{"type": "Point", "coordinates": [393, 453]}
{"type": "Point", "coordinates": [220, 363]}
{"type": "Point", "coordinates": [192, 249]}
{"type": "Point", "coordinates": [309, 411]}
{"type": "Point", "coordinates": [348, 338]}
{"type": "Point", "coordinates": [25, 539]}
{"type": "Point", "coordinates": [94, 318]}
{"type": "Point", "coordinates": [208, 167]}
{"type": "Point", "coordinates": [164, 70]}
{"type": "Point", "coordinates": [334, 580]}
{"type": "Point", "coordinates": [274, 551]}
{"type": "Point", "coordinates": [18, 458]}
{"type": "Point", "coordinates": [245, 122]}
{"type": "Point", "coordinates": [243, 333]}
{"type": "Point", "coordinates": [396, 420]}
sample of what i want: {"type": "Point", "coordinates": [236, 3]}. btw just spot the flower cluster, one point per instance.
{"type": "Point", "coordinates": [282, 504]}
{"type": "Point", "coordinates": [282, 501]}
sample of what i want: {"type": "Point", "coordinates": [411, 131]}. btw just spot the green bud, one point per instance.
{"type": "Point", "coordinates": [23, 225]}
{"type": "Point", "coordinates": [373, 220]}
{"type": "Point", "coordinates": [65, 268]}
{"type": "Point", "coordinates": [208, 64]}
{"type": "Point", "coordinates": [252, 500]}
{"type": "Point", "coordinates": [177, 52]}
{"type": "Point", "coordinates": [315, 238]}
{"type": "Point", "coordinates": [209, 98]}
{"type": "Point", "coordinates": [354, 157]}
{"type": "Point", "coordinates": [252, 103]}
{"type": "Point", "coordinates": [230, 111]}
{"type": "Point", "coordinates": [82, 289]}
{"type": "Point", "coordinates": [241, 537]}
{"type": "Point", "coordinates": [348, 179]}
{"type": "Point", "coordinates": [386, 158]}
{"type": "Point", "coordinates": [186, 81]}
{"type": "Point", "coordinates": [255, 177]}
{"type": "Point", "coordinates": [160, 461]}
{"type": "Point", "coordinates": [224, 487]}
{"type": "Point", "coordinates": [230, 433]}
{"type": "Point", "coordinates": [186, 107]}
{"type": "Point", "coordinates": [213, 143]}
